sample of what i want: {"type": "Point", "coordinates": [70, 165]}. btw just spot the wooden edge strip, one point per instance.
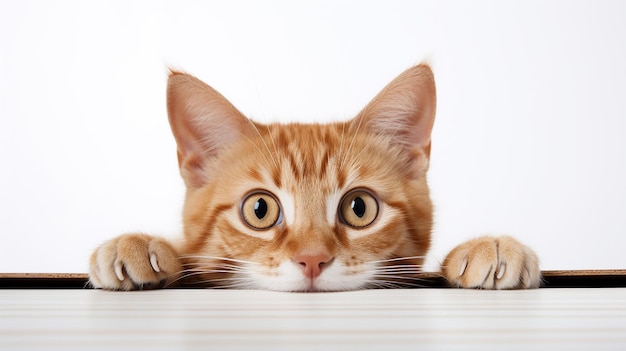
{"type": "Point", "coordinates": [44, 276]}
{"type": "Point", "coordinates": [551, 279]}
{"type": "Point", "coordinates": [584, 273]}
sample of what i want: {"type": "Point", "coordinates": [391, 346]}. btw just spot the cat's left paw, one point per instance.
{"type": "Point", "coordinates": [492, 263]}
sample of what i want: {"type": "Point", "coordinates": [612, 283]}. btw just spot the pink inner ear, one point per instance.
{"type": "Point", "coordinates": [404, 111]}
{"type": "Point", "coordinates": [203, 123]}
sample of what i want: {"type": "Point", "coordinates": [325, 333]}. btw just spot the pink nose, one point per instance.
{"type": "Point", "coordinates": [312, 265]}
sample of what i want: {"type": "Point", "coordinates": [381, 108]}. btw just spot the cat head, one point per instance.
{"type": "Point", "coordinates": [305, 207]}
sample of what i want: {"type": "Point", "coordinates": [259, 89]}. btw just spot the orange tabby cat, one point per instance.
{"type": "Point", "coordinates": [305, 207]}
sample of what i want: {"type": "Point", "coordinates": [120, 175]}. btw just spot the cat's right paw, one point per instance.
{"type": "Point", "coordinates": [134, 262]}
{"type": "Point", "coordinates": [492, 263]}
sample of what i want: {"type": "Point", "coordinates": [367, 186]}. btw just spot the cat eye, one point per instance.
{"type": "Point", "coordinates": [260, 211]}
{"type": "Point", "coordinates": [358, 209]}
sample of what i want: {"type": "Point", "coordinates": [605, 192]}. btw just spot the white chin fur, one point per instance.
{"type": "Point", "coordinates": [289, 277]}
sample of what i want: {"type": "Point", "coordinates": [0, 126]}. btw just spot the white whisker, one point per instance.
{"type": "Point", "coordinates": [385, 284]}
{"type": "Point", "coordinates": [397, 259]}
{"type": "Point", "coordinates": [269, 133]}
{"type": "Point", "coordinates": [265, 155]}
{"type": "Point", "coordinates": [232, 279]}
{"type": "Point", "coordinates": [354, 135]}
{"type": "Point", "coordinates": [413, 266]}
{"type": "Point", "coordinates": [219, 258]}
{"type": "Point", "coordinates": [212, 271]}
{"type": "Point", "coordinates": [400, 266]}
{"type": "Point", "coordinates": [235, 285]}
{"type": "Point", "coordinates": [397, 276]}
{"type": "Point", "coordinates": [185, 275]}
{"type": "Point", "coordinates": [341, 150]}
{"type": "Point", "coordinates": [397, 271]}
{"type": "Point", "coordinates": [265, 143]}
{"type": "Point", "coordinates": [221, 266]}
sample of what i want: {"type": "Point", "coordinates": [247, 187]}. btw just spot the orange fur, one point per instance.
{"type": "Point", "coordinates": [306, 170]}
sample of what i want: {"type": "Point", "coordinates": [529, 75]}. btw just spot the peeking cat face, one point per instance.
{"type": "Point", "coordinates": [305, 207]}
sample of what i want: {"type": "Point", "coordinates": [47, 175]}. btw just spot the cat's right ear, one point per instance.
{"type": "Point", "coordinates": [404, 113]}
{"type": "Point", "coordinates": [203, 123]}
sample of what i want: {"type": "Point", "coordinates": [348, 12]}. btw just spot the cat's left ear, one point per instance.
{"type": "Point", "coordinates": [404, 113]}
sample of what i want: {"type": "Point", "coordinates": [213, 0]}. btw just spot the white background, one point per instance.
{"type": "Point", "coordinates": [529, 137]}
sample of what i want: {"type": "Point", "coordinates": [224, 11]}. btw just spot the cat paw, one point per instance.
{"type": "Point", "coordinates": [492, 263]}
{"type": "Point", "coordinates": [134, 262]}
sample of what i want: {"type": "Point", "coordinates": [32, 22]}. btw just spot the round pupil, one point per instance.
{"type": "Point", "coordinates": [358, 206]}
{"type": "Point", "coordinates": [260, 208]}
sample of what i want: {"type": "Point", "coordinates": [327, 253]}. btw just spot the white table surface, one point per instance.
{"type": "Point", "coordinates": [416, 319]}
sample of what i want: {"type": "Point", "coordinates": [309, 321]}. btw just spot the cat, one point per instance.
{"type": "Point", "coordinates": [306, 207]}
